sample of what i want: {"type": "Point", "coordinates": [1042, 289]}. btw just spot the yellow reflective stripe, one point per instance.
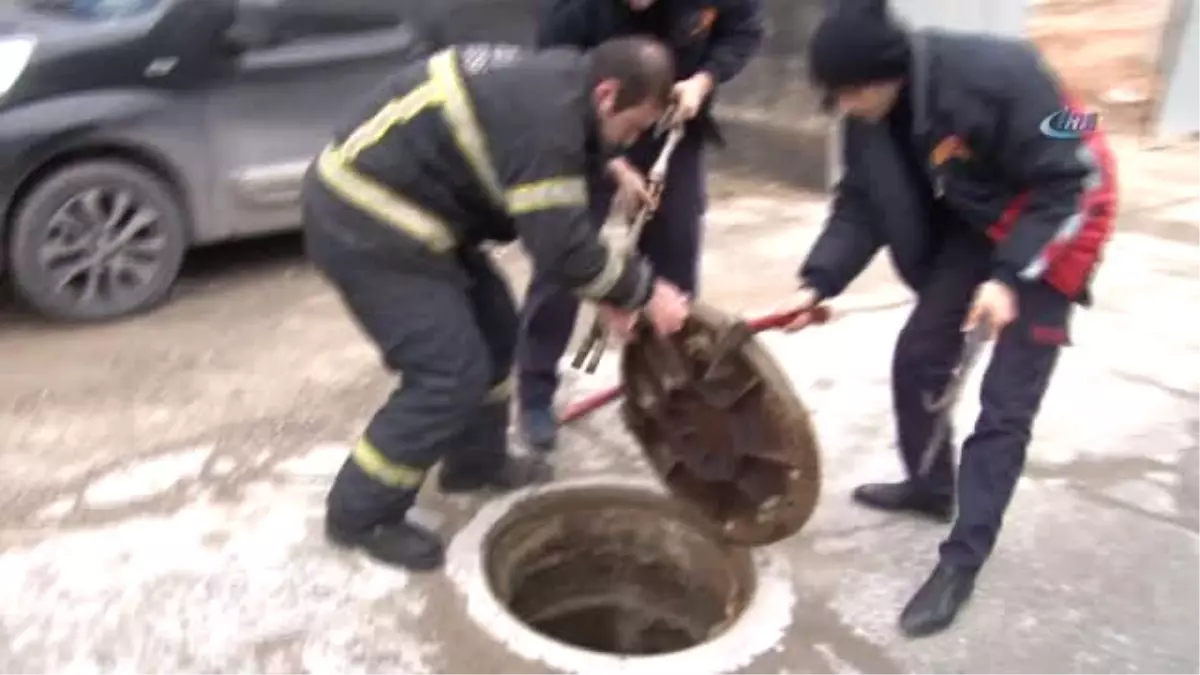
{"type": "Point", "coordinates": [397, 111]}
{"type": "Point", "coordinates": [547, 194]}
{"type": "Point", "coordinates": [460, 117]}
{"type": "Point", "coordinates": [501, 392]}
{"type": "Point", "coordinates": [374, 464]}
{"type": "Point", "coordinates": [382, 203]}
{"type": "Point", "coordinates": [610, 274]}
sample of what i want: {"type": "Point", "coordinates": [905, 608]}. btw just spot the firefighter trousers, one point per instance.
{"type": "Point", "coordinates": [1022, 362]}
{"type": "Point", "coordinates": [449, 330]}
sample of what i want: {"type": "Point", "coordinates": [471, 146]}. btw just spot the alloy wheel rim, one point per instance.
{"type": "Point", "coordinates": [103, 246]}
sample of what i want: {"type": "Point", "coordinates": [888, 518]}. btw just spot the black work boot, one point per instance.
{"type": "Point", "coordinates": [399, 543]}
{"type": "Point", "coordinates": [933, 608]}
{"type": "Point", "coordinates": [514, 473]}
{"type": "Point", "coordinates": [908, 497]}
{"type": "Point", "coordinates": [540, 428]}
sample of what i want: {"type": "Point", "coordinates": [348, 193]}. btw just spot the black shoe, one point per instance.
{"type": "Point", "coordinates": [936, 603]}
{"type": "Point", "coordinates": [399, 543]}
{"type": "Point", "coordinates": [515, 473]}
{"type": "Point", "coordinates": [540, 428]}
{"type": "Point", "coordinates": [905, 497]}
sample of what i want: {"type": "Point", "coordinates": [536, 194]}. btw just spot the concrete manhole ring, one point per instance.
{"type": "Point", "coordinates": [612, 575]}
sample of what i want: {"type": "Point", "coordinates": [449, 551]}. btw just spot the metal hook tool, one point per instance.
{"type": "Point", "coordinates": [595, 343]}
{"type": "Point", "coordinates": [943, 406]}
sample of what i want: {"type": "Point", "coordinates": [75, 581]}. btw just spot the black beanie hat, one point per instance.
{"type": "Point", "coordinates": [858, 45]}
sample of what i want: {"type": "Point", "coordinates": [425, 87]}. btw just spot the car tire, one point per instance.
{"type": "Point", "coordinates": [97, 240]}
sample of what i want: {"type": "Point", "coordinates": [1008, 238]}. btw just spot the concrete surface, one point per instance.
{"type": "Point", "coordinates": [1160, 187]}
{"type": "Point", "coordinates": [161, 481]}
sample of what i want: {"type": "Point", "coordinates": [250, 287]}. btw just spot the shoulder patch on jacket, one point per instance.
{"type": "Point", "coordinates": [949, 148]}
{"type": "Point", "coordinates": [480, 57]}
{"type": "Point", "coordinates": [702, 21]}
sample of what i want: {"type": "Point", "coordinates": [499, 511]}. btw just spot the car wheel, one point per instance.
{"type": "Point", "coordinates": [97, 240]}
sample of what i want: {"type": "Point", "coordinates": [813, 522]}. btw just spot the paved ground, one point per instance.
{"type": "Point", "coordinates": [161, 481]}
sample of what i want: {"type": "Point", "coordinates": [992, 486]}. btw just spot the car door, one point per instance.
{"type": "Point", "coordinates": [278, 102]}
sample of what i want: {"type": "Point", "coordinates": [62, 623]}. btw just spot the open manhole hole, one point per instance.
{"type": "Point", "coordinates": [617, 571]}
{"type": "Point", "coordinates": [600, 574]}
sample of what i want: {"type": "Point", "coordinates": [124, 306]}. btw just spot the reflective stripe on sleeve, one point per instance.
{"type": "Point", "coordinates": [542, 195]}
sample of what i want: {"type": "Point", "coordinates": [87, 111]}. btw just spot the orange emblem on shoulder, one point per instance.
{"type": "Point", "coordinates": [704, 20]}
{"type": "Point", "coordinates": [950, 147]}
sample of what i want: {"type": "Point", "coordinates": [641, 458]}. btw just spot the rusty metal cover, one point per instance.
{"type": "Point", "coordinates": [728, 435]}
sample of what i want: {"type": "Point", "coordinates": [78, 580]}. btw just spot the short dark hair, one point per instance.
{"type": "Point", "coordinates": [644, 68]}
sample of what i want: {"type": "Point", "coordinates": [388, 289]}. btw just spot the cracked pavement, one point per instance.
{"type": "Point", "coordinates": [161, 480]}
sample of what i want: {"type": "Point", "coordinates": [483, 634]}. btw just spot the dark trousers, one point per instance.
{"type": "Point", "coordinates": [449, 328]}
{"type": "Point", "coordinates": [671, 241]}
{"type": "Point", "coordinates": [1023, 359]}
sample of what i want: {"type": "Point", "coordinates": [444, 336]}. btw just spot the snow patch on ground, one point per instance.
{"type": "Point", "coordinates": [147, 479]}
{"type": "Point", "coordinates": [249, 586]}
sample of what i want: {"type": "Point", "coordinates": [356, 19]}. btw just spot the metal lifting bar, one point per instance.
{"type": "Point", "coordinates": [595, 344]}
{"type": "Point", "coordinates": [590, 404]}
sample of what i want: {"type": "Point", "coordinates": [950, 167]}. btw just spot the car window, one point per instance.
{"type": "Point", "coordinates": [268, 24]}
{"type": "Point", "coordinates": [297, 19]}
{"type": "Point", "coordinates": [92, 10]}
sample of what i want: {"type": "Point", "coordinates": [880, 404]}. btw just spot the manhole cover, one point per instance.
{"type": "Point", "coordinates": [617, 571]}
{"type": "Point", "coordinates": [720, 423]}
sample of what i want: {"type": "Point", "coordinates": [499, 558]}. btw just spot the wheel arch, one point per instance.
{"type": "Point", "coordinates": [99, 150]}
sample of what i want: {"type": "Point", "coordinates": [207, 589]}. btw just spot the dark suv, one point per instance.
{"type": "Point", "coordinates": [131, 130]}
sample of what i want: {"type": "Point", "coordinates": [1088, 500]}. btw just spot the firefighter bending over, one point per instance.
{"type": "Point", "coordinates": [477, 143]}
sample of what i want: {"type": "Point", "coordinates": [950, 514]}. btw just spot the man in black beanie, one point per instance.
{"type": "Point", "coordinates": [995, 197]}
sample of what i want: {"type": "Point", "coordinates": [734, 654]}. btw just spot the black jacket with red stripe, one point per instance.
{"type": "Point", "coordinates": [980, 107]}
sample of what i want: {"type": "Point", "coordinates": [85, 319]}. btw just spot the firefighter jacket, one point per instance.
{"type": "Point", "coordinates": [485, 143]}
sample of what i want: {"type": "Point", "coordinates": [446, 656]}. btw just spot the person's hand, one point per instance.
{"type": "Point", "coordinates": [668, 308]}
{"type": "Point", "coordinates": [633, 191]}
{"type": "Point", "coordinates": [997, 302]}
{"type": "Point", "coordinates": [801, 303]}
{"type": "Point", "coordinates": [619, 322]}
{"type": "Point", "coordinates": [690, 95]}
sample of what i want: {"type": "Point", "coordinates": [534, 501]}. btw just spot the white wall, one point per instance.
{"type": "Point", "coordinates": [1179, 110]}
{"type": "Point", "coordinates": [1005, 17]}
